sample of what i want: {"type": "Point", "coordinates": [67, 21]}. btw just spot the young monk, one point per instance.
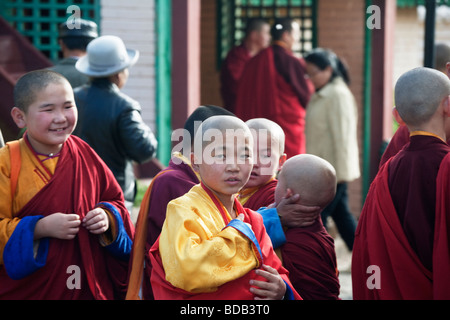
{"type": "Point", "coordinates": [171, 183]}
{"type": "Point", "coordinates": [259, 192]}
{"type": "Point", "coordinates": [210, 246]}
{"type": "Point", "coordinates": [64, 230]}
{"type": "Point", "coordinates": [269, 157]}
{"type": "Point", "coordinates": [401, 136]}
{"type": "Point", "coordinates": [309, 253]}
{"type": "Point", "coordinates": [401, 245]}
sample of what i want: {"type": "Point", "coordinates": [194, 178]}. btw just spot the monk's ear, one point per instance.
{"type": "Point", "coordinates": [446, 106]}
{"type": "Point", "coordinates": [194, 162]}
{"type": "Point", "coordinates": [448, 69]}
{"type": "Point", "coordinates": [397, 117]}
{"type": "Point", "coordinates": [282, 160]}
{"type": "Point", "coordinates": [19, 117]}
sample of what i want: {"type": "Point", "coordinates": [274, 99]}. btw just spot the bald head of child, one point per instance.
{"type": "Point", "coordinates": [309, 176]}
{"type": "Point", "coordinates": [223, 155]}
{"type": "Point", "coordinates": [45, 105]}
{"type": "Point", "coordinates": [422, 99]}
{"type": "Point", "coordinates": [268, 151]}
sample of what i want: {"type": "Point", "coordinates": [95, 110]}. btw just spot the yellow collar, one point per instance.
{"type": "Point", "coordinates": [425, 133]}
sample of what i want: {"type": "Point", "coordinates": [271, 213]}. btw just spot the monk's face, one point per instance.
{"type": "Point", "coordinates": [51, 118]}
{"type": "Point", "coordinates": [226, 163]}
{"type": "Point", "coordinates": [263, 37]}
{"type": "Point", "coordinates": [267, 159]}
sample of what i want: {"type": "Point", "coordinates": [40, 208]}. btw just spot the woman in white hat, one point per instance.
{"type": "Point", "coordinates": [110, 121]}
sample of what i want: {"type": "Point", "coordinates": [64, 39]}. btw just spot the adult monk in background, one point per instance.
{"type": "Point", "coordinates": [257, 38]}
{"type": "Point", "coordinates": [401, 137]}
{"type": "Point", "coordinates": [403, 230]}
{"type": "Point", "coordinates": [273, 86]}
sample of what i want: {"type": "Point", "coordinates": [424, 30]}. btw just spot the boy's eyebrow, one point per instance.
{"type": "Point", "coordinates": [45, 105]}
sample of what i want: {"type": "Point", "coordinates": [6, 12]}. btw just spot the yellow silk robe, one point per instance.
{"type": "Point", "coordinates": [34, 175]}
{"type": "Point", "coordinates": [198, 252]}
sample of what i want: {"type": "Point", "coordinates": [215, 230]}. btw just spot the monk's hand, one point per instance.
{"type": "Point", "coordinates": [96, 221]}
{"type": "Point", "coordinates": [272, 289]}
{"type": "Point", "coordinates": [58, 225]}
{"type": "Point", "coordinates": [293, 215]}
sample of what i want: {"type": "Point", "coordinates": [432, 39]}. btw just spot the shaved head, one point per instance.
{"type": "Point", "coordinates": [419, 93]}
{"type": "Point", "coordinates": [313, 178]}
{"type": "Point", "coordinates": [221, 123]}
{"type": "Point", "coordinates": [273, 130]}
{"type": "Point", "coordinates": [218, 131]}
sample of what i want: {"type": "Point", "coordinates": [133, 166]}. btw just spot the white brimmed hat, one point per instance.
{"type": "Point", "coordinates": [106, 55]}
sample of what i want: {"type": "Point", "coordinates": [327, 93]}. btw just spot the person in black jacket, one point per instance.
{"type": "Point", "coordinates": [110, 121]}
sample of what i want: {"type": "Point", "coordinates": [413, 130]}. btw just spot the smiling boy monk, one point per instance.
{"type": "Point", "coordinates": [210, 246]}
{"type": "Point", "coordinates": [64, 230]}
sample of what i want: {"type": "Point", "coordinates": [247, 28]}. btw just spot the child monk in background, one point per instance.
{"type": "Point", "coordinates": [62, 212]}
{"type": "Point", "coordinates": [269, 157]}
{"type": "Point", "coordinates": [210, 246]}
{"type": "Point", "coordinates": [259, 192]}
{"type": "Point", "coordinates": [309, 253]}
{"type": "Point", "coordinates": [403, 228]}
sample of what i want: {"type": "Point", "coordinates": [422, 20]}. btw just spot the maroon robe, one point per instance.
{"type": "Point", "coordinates": [81, 181]}
{"type": "Point", "coordinates": [264, 197]}
{"type": "Point", "coordinates": [273, 86]}
{"type": "Point", "coordinates": [397, 143]}
{"type": "Point", "coordinates": [403, 229]}
{"type": "Point", "coordinates": [173, 182]}
{"type": "Point", "coordinates": [231, 72]}
{"type": "Point", "coordinates": [310, 258]}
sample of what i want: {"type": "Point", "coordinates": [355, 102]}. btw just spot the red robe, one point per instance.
{"type": "Point", "coordinates": [170, 184]}
{"type": "Point", "coordinates": [398, 141]}
{"type": "Point", "coordinates": [80, 182]}
{"type": "Point", "coordinates": [264, 197]}
{"type": "Point", "coordinates": [235, 290]}
{"type": "Point", "coordinates": [386, 242]}
{"type": "Point", "coordinates": [310, 258]}
{"type": "Point", "coordinates": [231, 72]}
{"type": "Point", "coordinates": [264, 92]}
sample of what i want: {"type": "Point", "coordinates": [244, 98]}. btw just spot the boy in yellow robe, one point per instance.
{"type": "Point", "coordinates": [60, 206]}
{"type": "Point", "coordinates": [210, 246]}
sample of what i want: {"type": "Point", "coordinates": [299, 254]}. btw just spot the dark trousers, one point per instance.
{"type": "Point", "coordinates": [339, 210]}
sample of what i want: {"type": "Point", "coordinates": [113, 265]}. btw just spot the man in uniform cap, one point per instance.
{"type": "Point", "coordinates": [73, 40]}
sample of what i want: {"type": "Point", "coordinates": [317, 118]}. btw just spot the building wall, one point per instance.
{"type": "Point", "coordinates": [210, 88]}
{"type": "Point", "coordinates": [341, 28]}
{"type": "Point", "coordinates": [133, 21]}
{"type": "Point", "coordinates": [409, 39]}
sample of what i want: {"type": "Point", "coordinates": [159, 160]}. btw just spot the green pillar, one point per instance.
{"type": "Point", "coordinates": [164, 79]}
{"type": "Point", "coordinates": [367, 108]}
